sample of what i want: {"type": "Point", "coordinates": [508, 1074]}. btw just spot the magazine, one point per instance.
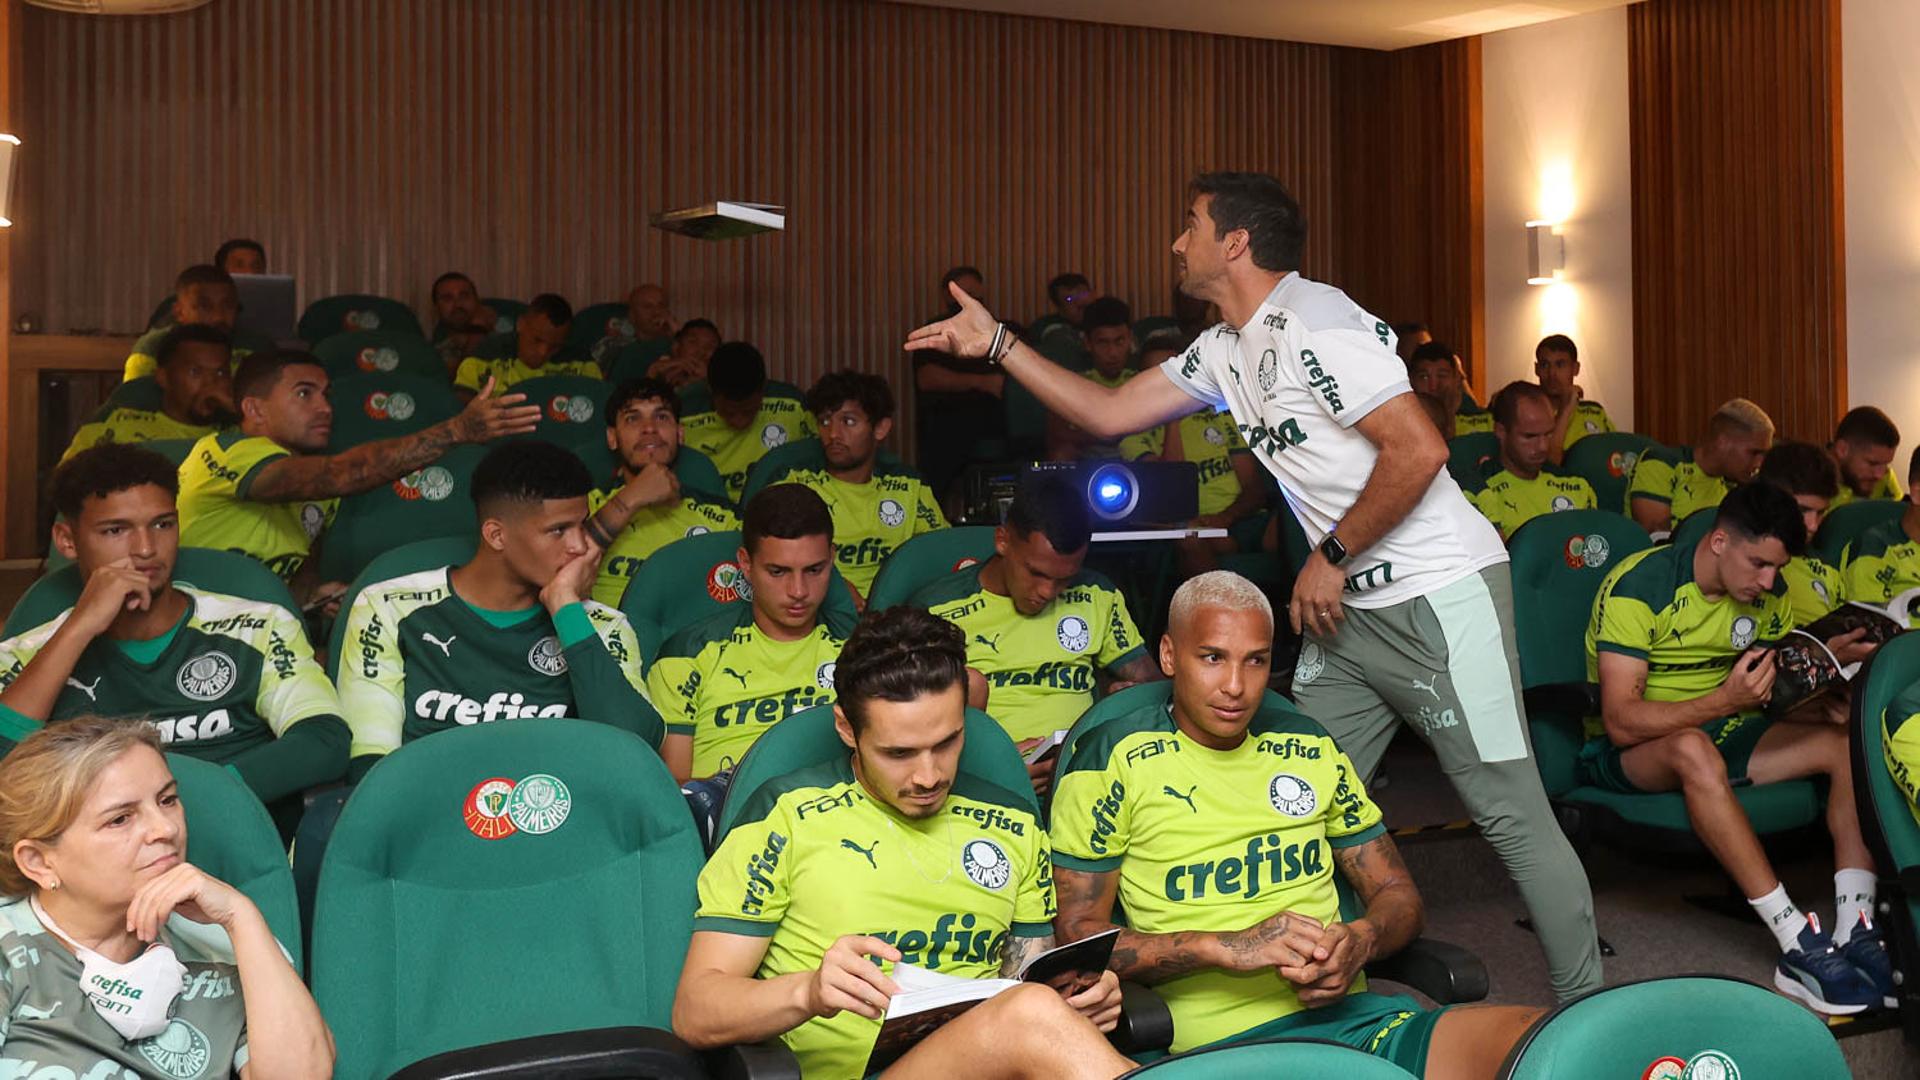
{"type": "Point", "coordinates": [1805, 669]}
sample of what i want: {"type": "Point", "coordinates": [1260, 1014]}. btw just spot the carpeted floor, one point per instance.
{"type": "Point", "coordinates": [1642, 909]}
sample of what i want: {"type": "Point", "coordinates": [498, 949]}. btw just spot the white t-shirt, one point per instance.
{"type": "Point", "coordinates": [1297, 378]}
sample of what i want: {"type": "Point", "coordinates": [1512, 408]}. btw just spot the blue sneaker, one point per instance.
{"type": "Point", "coordinates": [1815, 974]}
{"type": "Point", "coordinates": [1866, 950]}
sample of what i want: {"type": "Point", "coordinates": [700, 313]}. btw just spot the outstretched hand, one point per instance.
{"type": "Point", "coordinates": [487, 417]}
{"type": "Point", "coordinates": [967, 334]}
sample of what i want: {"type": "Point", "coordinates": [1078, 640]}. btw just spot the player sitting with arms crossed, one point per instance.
{"type": "Point", "coordinates": [1521, 491]}
{"type": "Point", "coordinates": [1864, 444]}
{"type": "Point", "coordinates": [796, 908]}
{"type": "Point", "coordinates": [268, 488]}
{"type": "Point", "coordinates": [1670, 483]}
{"type": "Point", "coordinates": [1037, 625]}
{"type": "Point", "coordinates": [195, 375]}
{"type": "Point", "coordinates": [722, 680]}
{"type": "Point", "coordinates": [646, 510]}
{"type": "Point", "coordinates": [1885, 561]}
{"type": "Point", "coordinates": [1218, 823]}
{"type": "Point", "coordinates": [225, 679]}
{"type": "Point", "coordinates": [1677, 648]}
{"type": "Point", "coordinates": [124, 960]}
{"type": "Point", "coordinates": [742, 421]}
{"type": "Point", "coordinates": [510, 635]}
{"type": "Point", "coordinates": [876, 507]}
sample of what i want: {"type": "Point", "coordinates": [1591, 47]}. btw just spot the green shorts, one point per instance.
{"type": "Point", "coordinates": [1734, 736]}
{"type": "Point", "coordinates": [1390, 1026]}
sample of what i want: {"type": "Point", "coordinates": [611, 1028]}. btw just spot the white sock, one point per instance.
{"type": "Point", "coordinates": [1781, 917]}
{"type": "Point", "coordinates": [1852, 898]}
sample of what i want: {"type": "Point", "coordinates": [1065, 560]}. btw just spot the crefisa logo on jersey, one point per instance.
{"type": "Point", "coordinates": [892, 514]}
{"type": "Point", "coordinates": [1074, 633]}
{"type": "Point", "coordinates": [1742, 633]}
{"type": "Point", "coordinates": [181, 1051]}
{"type": "Point", "coordinates": [823, 676]}
{"type": "Point", "coordinates": [207, 677]}
{"type": "Point", "coordinates": [547, 657]}
{"type": "Point", "coordinates": [986, 864]}
{"type": "Point", "coordinates": [1291, 795]}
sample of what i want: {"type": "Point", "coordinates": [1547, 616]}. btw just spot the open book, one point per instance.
{"type": "Point", "coordinates": [1804, 668]}
{"type": "Point", "coordinates": [722, 220]}
{"type": "Point", "coordinates": [928, 999]}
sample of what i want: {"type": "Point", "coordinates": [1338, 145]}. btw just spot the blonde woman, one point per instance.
{"type": "Point", "coordinates": [123, 959]}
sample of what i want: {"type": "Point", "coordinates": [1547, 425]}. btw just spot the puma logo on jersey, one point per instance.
{"type": "Point", "coordinates": [29, 1012]}
{"type": "Point", "coordinates": [993, 644]}
{"type": "Point", "coordinates": [865, 852]}
{"type": "Point", "coordinates": [446, 647]}
{"type": "Point", "coordinates": [742, 679]}
{"type": "Point", "coordinates": [85, 688]}
{"type": "Point", "coordinates": [1185, 798]}
{"type": "Point", "coordinates": [1428, 686]}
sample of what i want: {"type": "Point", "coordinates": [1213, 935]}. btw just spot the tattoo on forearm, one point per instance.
{"type": "Point", "coordinates": [362, 468]}
{"type": "Point", "coordinates": [1019, 950]}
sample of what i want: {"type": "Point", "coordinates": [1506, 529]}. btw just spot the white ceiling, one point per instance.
{"type": "Point", "coordinates": [1368, 24]}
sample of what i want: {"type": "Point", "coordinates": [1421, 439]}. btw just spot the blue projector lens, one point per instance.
{"type": "Point", "coordinates": [1113, 492]}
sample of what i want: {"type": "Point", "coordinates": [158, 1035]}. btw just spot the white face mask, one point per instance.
{"type": "Point", "coordinates": [136, 997]}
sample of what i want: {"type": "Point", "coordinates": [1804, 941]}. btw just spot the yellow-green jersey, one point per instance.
{"type": "Point", "coordinates": [144, 360]}
{"type": "Point", "coordinates": [1882, 564]}
{"type": "Point", "coordinates": [734, 450]}
{"type": "Point", "coordinates": [1040, 669]}
{"type": "Point", "coordinates": [1209, 439]}
{"type": "Point", "coordinates": [509, 371]}
{"type": "Point", "coordinates": [1113, 383]}
{"type": "Point", "coordinates": [215, 511]}
{"type": "Point", "coordinates": [723, 681]}
{"type": "Point", "coordinates": [650, 529]}
{"type": "Point", "coordinates": [1887, 487]}
{"type": "Point", "coordinates": [1510, 502]}
{"type": "Point", "coordinates": [1668, 475]}
{"type": "Point", "coordinates": [1588, 419]}
{"type": "Point", "coordinates": [870, 520]}
{"type": "Point", "coordinates": [1650, 608]}
{"type": "Point", "coordinates": [1813, 588]}
{"type": "Point", "coordinates": [1900, 735]}
{"type": "Point", "coordinates": [1471, 419]}
{"type": "Point", "coordinates": [802, 868]}
{"type": "Point", "coordinates": [133, 426]}
{"type": "Point", "coordinates": [1213, 840]}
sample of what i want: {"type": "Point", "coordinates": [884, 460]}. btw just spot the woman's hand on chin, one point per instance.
{"type": "Point", "coordinates": [193, 893]}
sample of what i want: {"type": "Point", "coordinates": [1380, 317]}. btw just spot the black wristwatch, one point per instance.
{"type": "Point", "coordinates": [1333, 549]}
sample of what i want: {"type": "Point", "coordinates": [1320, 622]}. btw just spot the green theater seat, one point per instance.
{"type": "Point", "coordinates": [430, 502]}
{"type": "Point", "coordinates": [230, 836]}
{"type": "Point", "coordinates": [927, 558]}
{"type": "Point", "coordinates": [1471, 458]}
{"type": "Point", "coordinates": [572, 408]}
{"type": "Point", "coordinates": [1844, 524]}
{"type": "Point", "coordinates": [1273, 1060]}
{"type": "Point", "coordinates": [1606, 462]}
{"type": "Point", "coordinates": [379, 352]}
{"type": "Point", "coordinates": [347, 312]}
{"type": "Point", "coordinates": [1887, 819]}
{"type": "Point", "coordinates": [370, 406]}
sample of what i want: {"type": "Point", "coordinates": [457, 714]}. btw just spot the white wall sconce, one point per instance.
{"type": "Point", "coordinates": [9, 145]}
{"type": "Point", "coordinates": [1546, 253]}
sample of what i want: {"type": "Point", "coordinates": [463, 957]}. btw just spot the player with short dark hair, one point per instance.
{"type": "Point", "coordinates": [1864, 445]}
{"type": "Point", "coordinates": [511, 634]}
{"type": "Point", "coordinates": [241, 256]}
{"type": "Point", "coordinates": [1556, 363]}
{"type": "Point", "coordinates": [1435, 370]}
{"type": "Point", "coordinates": [223, 678]}
{"type": "Point", "coordinates": [739, 421]}
{"type": "Point", "coordinates": [1522, 490]}
{"type": "Point", "coordinates": [195, 374]}
{"type": "Point", "coordinates": [1884, 563]}
{"type": "Point", "coordinates": [798, 916]}
{"type": "Point", "coordinates": [644, 508]}
{"type": "Point", "coordinates": [685, 360]}
{"type": "Point", "coordinates": [268, 488]}
{"type": "Point", "coordinates": [722, 680]}
{"type": "Point", "coordinates": [203, 295]}
{"type": "Point", "coordinates": [1678, 646]}
{"type": "Point", "coordinates": [538, 347]}
{"type": "Point", "coordinates": [1809, 474]}
{"type": "Point", "coordinates": [1670, 483]}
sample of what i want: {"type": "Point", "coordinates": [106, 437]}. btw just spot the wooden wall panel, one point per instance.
{"type": "Point", "coordinates": [15, 470]}
{"type": "Point", "coordinates": [1408, 205]}
{"type": "Point", "coordinates": [371, 144]}
{"type": "Point", "coordinates": [1738, 241]}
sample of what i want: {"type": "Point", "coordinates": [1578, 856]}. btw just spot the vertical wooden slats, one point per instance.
{"type": "Point", "coordinates": [1738, 235]}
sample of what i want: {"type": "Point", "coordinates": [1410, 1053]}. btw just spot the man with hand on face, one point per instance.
{"type": "Point", "coordinates": [1523, 422]}
{"type": "Point", "coordinates": [686, 359]}
{"type": "Point", "coordinates": [461, 321]}
{"type": "Point", "coordinates": [203, 295]}
{"type": "Point", "coordinates": [1406, 601]}
{"type": "Point", "coordinates": [645, 510]}
{"type": "Point", "coordinates": [225, 679]}
{"type": "Point", "coordinates": [195, 374]}
{"type": "Point", "coordinates": [267, 489]}
{"type": "Point", "coordinates": [742, 421]}
{"type": "Point", "coordinates": [510, 635]}
{"type": "Point", "coordinates": [1038, 626]}
{"type": "Point", "coordinates": [798, 915]}
{"type": "Point", "coordinates": [1218, 823]}
{"type": "Point", "coordinates": [539, 348]}
{"type": "Point", "coordinates": [876, 507]}
{"type": "Point", "coordinates": [1864, 444]}
{"type": "Point", "coordinates": [721, 681]}
{"type": "Point", "coordinates": [1677, 646]}
{"type": "Point", "coordinates": [1556, 363]}
{"type": "Point", "coordinates": [1669, 483]}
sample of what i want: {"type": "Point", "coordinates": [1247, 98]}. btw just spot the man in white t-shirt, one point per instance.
{"type": "Point", "coordinates": [1406, 604]}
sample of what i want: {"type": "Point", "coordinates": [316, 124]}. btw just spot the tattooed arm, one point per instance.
{"type": "Point", "coordinates": [367, 466]}
{"type": "Point", "coordinates": [1019, 950]}
{"type": "Point", "coordinates": [1086, 908]}
{"type": "Point", "coordinates": [1099, 1000]}
{"type": "Point", "coordinates": [1394, 914]}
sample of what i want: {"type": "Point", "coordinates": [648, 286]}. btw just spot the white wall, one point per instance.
{"type": "Point", "coordinates": [1880, 89]}
{"type": "Point", "coordinates": [1554, 111]}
